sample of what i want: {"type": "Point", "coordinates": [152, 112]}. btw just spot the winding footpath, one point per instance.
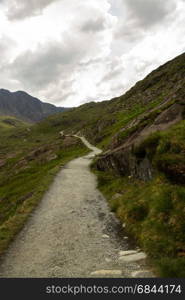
{"type": "Point", "coordinates": [72, 233]}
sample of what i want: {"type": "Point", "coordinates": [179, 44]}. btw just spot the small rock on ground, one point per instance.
{"type": "Point", "coordinates": [105, 236]}
{"type": "Point", "coordinates": [128, 252]}
{"type": "Point", "coordinates": [133, 257]}
{"type": "Point", "coordinates": [107, 272]}
{"type": "Point", "coordinates": [142, 274]}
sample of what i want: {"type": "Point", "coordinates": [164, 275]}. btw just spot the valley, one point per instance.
{"type": "Point", "coordinates": [72, 233]}
{"type": "Point", "coordinates": [140, 171]}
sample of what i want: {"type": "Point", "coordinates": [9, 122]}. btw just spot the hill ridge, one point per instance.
{"type": "Point", "coordinates": [22, 105]}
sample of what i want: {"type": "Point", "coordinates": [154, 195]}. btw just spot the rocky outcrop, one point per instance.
{"type": "Point", "coordinates": [123, 159]}
{"type": "Point", "coordinates": [125, 163]}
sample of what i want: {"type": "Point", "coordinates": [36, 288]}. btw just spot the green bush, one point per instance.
{"type": "Point", "coordinates": [171, 267]}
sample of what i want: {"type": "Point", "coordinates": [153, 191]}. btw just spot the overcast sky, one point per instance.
{"type": "Point", "coordinates": [69, 52]}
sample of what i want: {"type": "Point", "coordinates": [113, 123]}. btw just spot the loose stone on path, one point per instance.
{"type": "Point", "coordinates": [107, 272]}
{"type": "Point", "coordinates": [133, 257]}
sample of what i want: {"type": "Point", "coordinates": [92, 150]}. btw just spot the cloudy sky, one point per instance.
{"type": "Point", "coordinates": [69, 52]}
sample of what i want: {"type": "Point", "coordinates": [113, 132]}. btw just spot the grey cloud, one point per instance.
{"type": "Point", "coordinates": [141, 16]}
{"type": "Point", "coordinates": [19, 9]}
{"type": "Point", "coordinates": [45, 66]}
{"type": "Point", "coordinates": [65, 90]}
{"type": "Point", "coordinates": [113, 68]}
{"type": "Point", "coordinates": [94, 25]}
{"type": "Point", "coordinates": [90, 62]}
{"type": "Point", "coordinates": [118, 88]}
{"type": "Point", "coordinates": [49, 68]}
{"type": "Point", "coordinates": [3, 49]}
{"type": "Point", "coordinates": [150, 12]}
{"type": "Point", "coordinates": [129, 32]}
{"type": "Point", "coordinates": [52, 62]}
{"type": "Point", "coordinates": [62, 97]}
{"type": "Point", "coordinates": [67, 84]}
{"type": "Point", "coordinates": [66, 95]}
{"type": "Point", "coordinates": [112, 74]}
{"type": "Point", "coordinates": [6, 46]}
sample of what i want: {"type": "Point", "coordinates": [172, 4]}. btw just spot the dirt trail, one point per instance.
{"type": "Point", "coordinates": [72, 233]}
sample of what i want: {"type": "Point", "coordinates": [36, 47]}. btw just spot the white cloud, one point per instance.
{"type": "Point", "coordinates": [72, 51]}
{"type": "Point", "coordinates": [150, 12]}
{"type": "Point", "coordinates": [18, 9]}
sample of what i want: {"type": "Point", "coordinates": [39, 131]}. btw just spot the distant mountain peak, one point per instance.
{"type": "Point", "coordinates": [4, 91]}
{"type": "Point", "coordinates": [22, 105]}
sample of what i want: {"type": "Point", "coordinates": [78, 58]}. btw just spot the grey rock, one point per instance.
{"type": "Point", "coordinates": [133, 257]}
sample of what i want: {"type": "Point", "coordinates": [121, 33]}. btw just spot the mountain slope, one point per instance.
{"type": "Point", "coordinates": [102, 122]}
{"type": "Point", "coordinates": [30, 157]}
{"type": "Point", "coordinates": [22, 105]}
{"type": "Point", "coordinates": [7, 122]}
{"type": "Point", "coordinates": [141, 170]}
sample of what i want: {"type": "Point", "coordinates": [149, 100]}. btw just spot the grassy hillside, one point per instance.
{"type": "Point", "coordinates": [100, 122]}
{"type": "Point", "coordinates": [143, 160]}
{"type": "Point", "coordinates": [30, 157]}
{"type": "Point", "coordinates": [154, 211]}
{"type": "Point", "coordinates": [141, 170]}
{"type": "Point", "coordinates": [9, 122]}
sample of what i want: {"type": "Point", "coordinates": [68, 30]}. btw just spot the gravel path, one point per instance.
{"type": "Point", "coordinates": [72, 233]}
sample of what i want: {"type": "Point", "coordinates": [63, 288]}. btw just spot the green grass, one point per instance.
{"type": "Point", "coordinates": [31, 159]}
{"type": "Point", "coordinates": [8, 122]}
{"type": "Point", "coordinates": [154, 216]}
{"type": "Point", "coordinates": [154, 211]}
{"type": "Point", "coordinates": [30, 156]}
{"type": "Point", "coordinates": [166, 151]}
